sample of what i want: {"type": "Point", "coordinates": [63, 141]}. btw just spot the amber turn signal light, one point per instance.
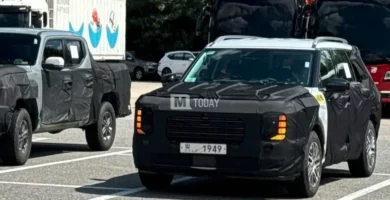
{"type": "Point", "coordinates": [139, 122]}
{"type": "Point", "coordinates": [282, 129]}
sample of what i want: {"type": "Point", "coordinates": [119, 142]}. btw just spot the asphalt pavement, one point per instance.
{"type": "Point", "coordinates": [62, 167]}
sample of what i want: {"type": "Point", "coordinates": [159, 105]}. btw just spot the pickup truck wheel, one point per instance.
{"type": "Point", "coordinates": [17, 141]}
{"type": "Point", "coordinates": [307, 184]}
{"type": "Point", "coordinates": [364, 166]}
{"type": "Point", "coordinates": [155, 181]}
{"type": "Point", "coordinates": [101, 135]}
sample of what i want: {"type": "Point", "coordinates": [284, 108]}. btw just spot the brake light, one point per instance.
{"type": "Point", "coordinates": [282, 129]}
{"type": "Point", "coordinates": [387, 76]}
{"type": "Point", "coordinates": [138, 117]}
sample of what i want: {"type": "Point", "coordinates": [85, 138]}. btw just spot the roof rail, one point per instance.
{"type": "Point", "coordinates": [233, 37]}
{"type": "Point", "coordinates": [318, 40]}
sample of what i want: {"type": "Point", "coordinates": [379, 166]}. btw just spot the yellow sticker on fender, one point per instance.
{"type": "Point", "coordinates": [320, 98]}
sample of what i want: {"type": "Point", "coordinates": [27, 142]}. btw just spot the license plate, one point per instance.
{"type": "Point", "coordinates": [198, 148]}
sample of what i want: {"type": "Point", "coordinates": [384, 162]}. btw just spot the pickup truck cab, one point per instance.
{"type": "Point", "coordinates": [50, 82]}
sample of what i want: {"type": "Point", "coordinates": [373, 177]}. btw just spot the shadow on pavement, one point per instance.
{"type": "Point", "coordinates": [49, 149]}
{"type": "Point", "coordinates": [212, 188]}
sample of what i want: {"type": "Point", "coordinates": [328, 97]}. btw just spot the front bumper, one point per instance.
{"type": "Point", "coordinates": [253, 157]}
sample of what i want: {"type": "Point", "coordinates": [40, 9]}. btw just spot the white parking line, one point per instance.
{"type": "Point", "coordinates": [366, 191]}
{"type": "Point", "coordinates": [125, 154]}
{"type": "Point", "coordinates": [62, 186]}
{"type": "Point", "coordinates": [63, 162]}
{"type": "Point", "coordinates": [135, 190]}
{"type": "Point", "coordinates": [121, 147]}
{"type": "Point", "coordinates": [39, 139]}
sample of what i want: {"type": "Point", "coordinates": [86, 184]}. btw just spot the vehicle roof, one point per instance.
{"type": "Point", "coordinates": [178, 51]}
{"type": "Point", "coordinates": [276, 43]}
{"type": "Point", "coordinates": [36, 31]}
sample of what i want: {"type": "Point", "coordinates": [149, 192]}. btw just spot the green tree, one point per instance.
{"type": "Point", "coordinates": [158, 26]}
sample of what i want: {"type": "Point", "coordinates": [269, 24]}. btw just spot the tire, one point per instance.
{"type": "Point", "coordinates": [364, 166]}
{"type": "Point", "coordinates": [155, 181]}
{"type": "Point", "coordinates": [101, 135]}
{"type": "Point", "coordinates": [17, 142]}
{"type": "Point", "coordinates": [166, 71]}
{"type": "Point", "coordinates": [139, 74]}
{"type": "Point", "coordinates": [303, 186]}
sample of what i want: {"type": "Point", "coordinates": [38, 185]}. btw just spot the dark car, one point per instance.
{"type": "Point", "coordinates": [248, 107]}
{"type": "Point", "coordinates": [139, 68]}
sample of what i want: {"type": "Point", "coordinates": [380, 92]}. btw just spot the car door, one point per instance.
{"type": "Point", "coordinates": [360, 103]}
{"type": "Point", "coordinates": [338, 111]}
{"type": "Point", "coordinates": [177, 62]}
{"type": "Point", "coordinates": [56, 87]}
{"type": "Point", "coordinates": [79, 63]}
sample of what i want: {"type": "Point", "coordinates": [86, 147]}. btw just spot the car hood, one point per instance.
{"type": "Point", "coordinates": [232, 91]}
{"type": "Point", "coordinates": [231, 98]}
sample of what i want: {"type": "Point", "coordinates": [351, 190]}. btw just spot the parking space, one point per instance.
{"type": "Point", "coordinates": [62, 167]}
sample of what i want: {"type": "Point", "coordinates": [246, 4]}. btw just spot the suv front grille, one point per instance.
{"type": "Point", "coordinates": [211, 129]}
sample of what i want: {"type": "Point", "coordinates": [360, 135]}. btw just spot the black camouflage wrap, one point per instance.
{"type": "Point", "coordinates": [349, 113]}
{"type": "Point", "coordinates": [14, 85]}
{"type": "Point", "coordinates": [256, 107]}
{"type": "Point", "coordinates": [114, 79]}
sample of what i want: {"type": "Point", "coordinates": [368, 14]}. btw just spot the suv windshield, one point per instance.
{"type": "Point", "coordinates": [364, 24]}
{"type": "Point", "coordinates": [264, 66]}
{"type": "Point", "coordinates": [18, 49]}
{"type": "Point", "coordinates": [266, 18]}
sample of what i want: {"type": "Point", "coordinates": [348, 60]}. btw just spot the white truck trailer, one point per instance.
{"type": "Point", "coordinates": [101, 22]}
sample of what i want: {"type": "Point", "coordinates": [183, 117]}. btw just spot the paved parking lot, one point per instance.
{"type": "Point", "coordinates": [62, 167]}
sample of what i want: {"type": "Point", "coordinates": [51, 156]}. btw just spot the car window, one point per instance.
{"type": "Point", "coordinates": [342, 65]}
{"type": "Point", "coordinates": [187, 56]}
{"type": "Point", "coordinates": [260, 66]}
{"type": "Point", "coordinates": [74, 53]}
{"type": "Point", "coordinates": [327, 70]}
{"type": "Point", "coordinates": [178, 56]}
{"type": "Point", "coordinates": [53, 48]}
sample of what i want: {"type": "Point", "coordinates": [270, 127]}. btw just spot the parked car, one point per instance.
{"type": "Point", "coordinates": [265, 108]}
{"type": "Point", "coordinates": [50, 83]}
{"type": "Point", "coordinates": [139, 68]}
{"type": "Point", "coordinates": [175, 62]}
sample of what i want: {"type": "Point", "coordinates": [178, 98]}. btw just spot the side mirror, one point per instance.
{"type": "Point", "coordinates": [54, 63]}
{"type": "Point", "coordinates": [337, 85]}
{"type": "Point", "coordinates": [170, 78]}
{"type": "Point", "coordinates": [191, 59]}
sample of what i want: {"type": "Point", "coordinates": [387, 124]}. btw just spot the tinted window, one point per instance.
{"type": "Point", "coordinates": [263, 66]}
{"type": "Point", "coordinates": [18, 49]}
{"type": "Point", "coordinates": [14, 19]}
{"type": "Point", "coordinates": [188, 56]}
{"type": "Point", "coordinates": [368, 30]}
{"type": "Point", "coordinates": [266, 18]}
{"type": "Point", "coordinates": [342, 66]}
{"type": "Point", "coordinates": [178, 56]}
{"type": "Point", "coordinates": [53, 48]}
{"type": "Point", "coordinates": [74, 52]}
{"type": "Point", "coordinates": [327, 70]}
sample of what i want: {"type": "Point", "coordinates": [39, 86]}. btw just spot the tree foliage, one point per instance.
{"type": "Point", "coordinates": [157, 26]}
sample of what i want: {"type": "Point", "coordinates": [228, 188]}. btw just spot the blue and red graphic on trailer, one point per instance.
{"type": "Point", "coordinates": [95, 30]}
